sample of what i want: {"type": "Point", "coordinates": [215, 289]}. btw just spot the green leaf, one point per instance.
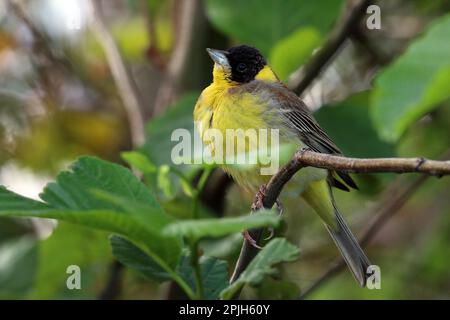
{"type": "Point", "coordinates": [276, 251]}
{"type": "Point", "coordinates": [18, 261]}
{"type": "Point", "coordinates": [72, 189]}
{"type": "Point", "coordinates": [105, 196]}
{"type": "Point", "coordinates": [215, 228]}
{"type": "Point", "coordinates": [13, 204]}
{"type": "Point", "coordinates": [293, 51]}
{"type": "Point", "coordinates": [222, 247]}
{"type": "Point", "coordinates": [153, 218]}
{"type": "Point", "coordinates": [262, 23]}
{"type": "Point", "coordinates": [414, 84]}
{"type": "Point", "coordinates": [135, 258]}
{"type": "Point", "coordinates": [107, 220]}
{"type": "Point", "coordinates": [214, 273]}
{"type": "Point", "coordinates": [139, 161]}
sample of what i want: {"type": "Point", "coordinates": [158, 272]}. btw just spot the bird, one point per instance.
{"type": "Point", "coordinates": [245, 93]}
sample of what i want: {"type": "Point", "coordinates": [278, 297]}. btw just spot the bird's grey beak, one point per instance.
{"type": "Point", "coordinates": [219, 57]}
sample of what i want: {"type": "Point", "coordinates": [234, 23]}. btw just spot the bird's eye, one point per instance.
{"type": "Point", "coordinates": [242, 67]}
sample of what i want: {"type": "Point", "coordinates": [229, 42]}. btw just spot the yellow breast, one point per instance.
{"type": "Point", "coordinates": [222, 108]}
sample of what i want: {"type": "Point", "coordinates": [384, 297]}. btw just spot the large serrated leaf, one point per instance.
{"type": "Point", "coordinates": [72, 188]}
{"type": "Point", "coordinates": [135, 258]}
{"type": "Point", "coordinates": [104, 196]}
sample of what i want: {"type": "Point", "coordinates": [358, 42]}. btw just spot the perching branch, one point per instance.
{"type": "Point", "coordinates": [397, 165]}
{"type": "Point", "coordinates": [393, 199]}
{"type": "Point", "coordinates": [268, 194]}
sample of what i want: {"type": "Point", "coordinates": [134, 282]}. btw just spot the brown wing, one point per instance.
{"type": "Point", "coordinates": [308, 130]}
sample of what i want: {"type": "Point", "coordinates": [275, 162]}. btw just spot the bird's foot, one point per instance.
{"type": "Point", "coordinates": [256, 205]}
{"type": "Point", "coordinates": [280, 207]}
{"type": "Point", "coordinates": [249, 239]}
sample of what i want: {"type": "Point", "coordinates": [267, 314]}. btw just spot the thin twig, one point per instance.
{"type": "Point", "coordinates": [169, 89]}
{"type": "Point", "coordinates": [125, 83]}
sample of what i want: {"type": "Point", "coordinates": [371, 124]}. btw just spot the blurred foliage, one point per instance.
{"type": "Point", "coordinates": [66, 135]}
{"type": "Point", "coordinates": [71, 245]}
{"type": "Point", "coordinates": [349, 125]}
{"type": "Point", "coordinates": [18, 264]}
{"type": "Point", "coordinates": [131, 40]}
{"type": "Point", "coordinates": [275, 19]}
{"type": "Point", "coordinates": [415, 84]}
{"type": "Point", "coordinates": [287, 55]}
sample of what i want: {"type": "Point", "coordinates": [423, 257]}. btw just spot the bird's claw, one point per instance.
{"type": "Point", "coordinates": [250, 240]}
{"type": "Point", "coordinates": [280, 209]}
{"type": "Point", "coordinates": [271, 234]}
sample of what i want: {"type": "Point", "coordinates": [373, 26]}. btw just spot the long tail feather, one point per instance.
{"type": "Point", "coordinates": [352, 253]}
{"type": "Point", "coordinates": [320, 197]}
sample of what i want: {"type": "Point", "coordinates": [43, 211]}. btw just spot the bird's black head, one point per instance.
{"type": "Point", "coordinates": [245, 63]}
{"type": "Point", "coordinates": [240, 64]}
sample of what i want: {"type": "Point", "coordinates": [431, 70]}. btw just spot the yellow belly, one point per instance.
{"type": "Point", "coordinates": [221, 110]}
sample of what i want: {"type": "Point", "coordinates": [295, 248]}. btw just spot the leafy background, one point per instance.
{"type": "Point", "coordinates": [65, 146]}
